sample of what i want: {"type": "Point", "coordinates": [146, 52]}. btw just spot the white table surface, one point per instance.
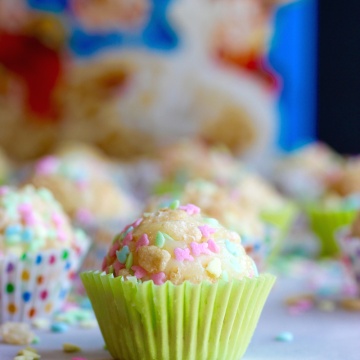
{"type": "Point", "coordinates": [318, 335]}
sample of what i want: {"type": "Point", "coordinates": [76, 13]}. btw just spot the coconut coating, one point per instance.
{"type": "Point", "coordinates": [178, 244]}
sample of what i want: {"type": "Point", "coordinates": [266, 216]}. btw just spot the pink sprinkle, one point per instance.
{"type": "Point", "coordinates": [139, 272]}
{"type": "Point", "coordinates": [158, 278]}
{"type": "Point", "coordinates": [137, 222]}
{"type": "Point", "coordinates": [213, 246]}
{"type": "Point", "coordinates": [29, 219]}
{"type": "Point", "coordinates": [25, 208]}
{"type": "Point", "coordinates": [47, 165]}
{"type": "Point", "coordinates": [4, 190]}
{"type": "Point", "coordinates": [199, 248]}
{"type": "Point", "coordinates": [118, 266]}
{"type": "Point", "coordinates": [143, 241]}
{"type": "Point", "coordinates": [183, 254]}
{"type": "Point", "coordinates": [206, 230]}
{"type": "Point", "coordinates": [128, 238]}
{"type": "Point", "coordinates": [57, 219]}
{"type": "Point", "coordinates": [84, 216]}
{"type": "Point", "coordinates": [115, 247]}
{"type": "Point", "coordinates": [191, 209]}
{"type": "Point", "coordinates": [61, 235]}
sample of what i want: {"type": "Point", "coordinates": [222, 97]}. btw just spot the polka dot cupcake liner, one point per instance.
{"type": "Point", "coordinates": [35, 285]}
{"type": "Point", "coordinates": [350, 248]}
{"type": "Point", "coordinates": [188, 321]}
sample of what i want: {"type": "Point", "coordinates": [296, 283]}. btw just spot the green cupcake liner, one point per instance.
{"type": "Point", "coordinates": [282, 221]}
{"type": "Point", "coordinates": [143, 321]}
{"type": "Point", "coordinates": [324, 224]}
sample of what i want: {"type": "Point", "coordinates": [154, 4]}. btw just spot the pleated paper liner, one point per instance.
{"type": "Point", "coordinates": [325, 223]}
{"type": "Point", "coordinates": [35, 285]}
{"type": "Point", "coordinates": [281, 220]}
{"type": "Point", "coordinates": [143, 321]}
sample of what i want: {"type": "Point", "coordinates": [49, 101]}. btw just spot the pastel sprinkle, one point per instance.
{"type": "Point", "coordinates": [71, 348]}
{"type": "Point", "coordinates": [115, 247]}
{"type": "Point", "coordinates": [59, 327]}
{"type": "Point", "coordinates": [232, 248]}
{"type": "Point", "coordinates": [160, 239]}
{"type": "Point", "coordinates": [122, 254]}
{"type": "Point", "coordinates": [137, 222]}
{"type": "Point", "coordinates": [26, 235]}
{"type": "Point", "coordinates": [168, 237]}
{"type": "Point", "coordinates": [36, 340]}
{"type": "Point", "coordinates": [128, 238]}
{"type": "Point", "coordinates": [127, 230]}
{"type": "Point", "coordinates": [24, 208]}
{"type": "Point", "coordinates": [213, 246]}
{"type": "Point", "coordinates": [88, 324]}
{"type": "Point", "coordinates": [199, 248]}
{"type": "Point", "coordinates": [174, 204]}
{"type": "Point", "coordinates": [139, 272]}
{"type": "Point", "coordinates": [206, 230]}
{"type": "Point", "coordinates": [118, 266]}
{"type": "Point", "coordinates": [285, 336]}
{"type": "Point", "coordinates": [191, 209]}
{"type": "Point", "coordinates": [143, 241]}
{"type": "Point", "coordinates": [129, 261]}
{"type": "Point", "coordinates": [214, 267]}
{"type": "Point", "coordinates": [41, 323]}
{"type": "Point", "coordinates": [158, 278]}
{"type": "Point", "coordinates": [47, 165]}
{"type": "Point", "coordinates": [182, 254]}
{"type": "Point", "coordinates": [211, 221]}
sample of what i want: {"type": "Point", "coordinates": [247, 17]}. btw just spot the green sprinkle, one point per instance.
{"type": "Point", "coordinates": [174, 204]}
{"type": "Point", "coordinates": [160, 239]}
{"type": "Point", "coordinates": [23, 257]}
{"type": "Point", "coordinates": [36, 340]}
{"type": "Point", "coordinates": [211, 221]}
{"type": "Point", "coordinates": [168, 237]}
{"type": "Point", "coordinates": [45, 194]}
{"type": "Point", "coordinates": [129, 261]}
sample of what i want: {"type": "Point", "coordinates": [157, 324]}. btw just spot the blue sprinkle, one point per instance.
{"type": "Point", "coordinates": [38, 259]}
{"type": "Point", "coordinates": [12, 230]}
{"type": "Point", "coordinates": [122, 254]}
{"type": "Point", "coordinates": [26, 296]}
{"type": "Point", "coordinates": [285, 336]}
{"type": "Point", "coordinates": [27, 235]}
{"type": "Point", "coordinates": [232, 248]}
{"type": "Point", "coordinates": [68, 265]}
{"type": "Point", "coordinates": [59, 327]}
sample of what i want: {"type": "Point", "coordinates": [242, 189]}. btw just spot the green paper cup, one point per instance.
{"type": "Point", "coordinates": [178, 322]}
{"type": "Point", "coordinates": [325, 223]}
{"type": "Point", "coordinates": [282, 221]}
